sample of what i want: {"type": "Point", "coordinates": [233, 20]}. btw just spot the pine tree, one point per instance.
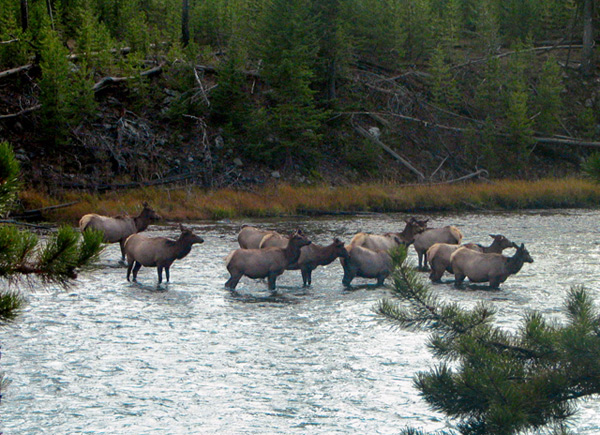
{"type": "Point", "coordinates": [444, 88]}
{"type": "Point", "coordinates": [66, 93]}
{"type": "Point", "coordinates": [22, 255]}
{"type": "Point", "coordinates": [548, 101]}
{"type": "Point", "coordinates": [288, 51]}
{"type": "Point", "coordinates": [491, 380]}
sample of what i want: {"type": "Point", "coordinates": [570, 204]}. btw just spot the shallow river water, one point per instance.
{"type": "Point", "coordinates": [190, 357]}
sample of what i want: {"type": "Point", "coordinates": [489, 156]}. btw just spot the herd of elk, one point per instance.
{"type": "Point", "coordinates": [267, 253]}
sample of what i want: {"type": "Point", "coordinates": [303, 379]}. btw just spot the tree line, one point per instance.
{"type": "Point", "coordinates": [290, 74]}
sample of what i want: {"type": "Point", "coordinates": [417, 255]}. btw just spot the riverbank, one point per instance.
{"type": "Point", "coordinates": [192, 203]}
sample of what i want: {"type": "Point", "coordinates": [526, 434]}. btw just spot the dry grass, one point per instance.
{"type": "Point", "coordinates": [191, 203]}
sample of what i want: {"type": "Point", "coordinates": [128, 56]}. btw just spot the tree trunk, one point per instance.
{"type": "Point", "coordinates": [50, 14]}
{"type": "Point", "coordinates": [587, 61]}
{"type": "Point", "coordinates": [24, 15]}
{"type": "Point", "coordinates": [185, 22]}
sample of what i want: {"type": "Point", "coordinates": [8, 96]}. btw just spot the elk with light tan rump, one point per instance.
{"type": "Point", "coordinates": [117, 229]}
{"type": "Point", "coordinates": [492, 268]}
{"type": "Point", "coordinates": [439, 254]}
{"type": "Point", "coordinates": [264, 263]}
{"type": "Point", "coordinates": [426, 239]}
{"type": "Point", "coordinates": [250, 237]}
{"type": "Point", "coordinates": [388, 241]}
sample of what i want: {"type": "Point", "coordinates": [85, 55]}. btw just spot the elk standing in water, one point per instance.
{"type": "Point", "coordinates": [388, 241]}
{"type": "Point", "coordinates": [439, 254]}
{"type": "Point", "coordinates": [315, 255]}
{"type": "Point", "coordinates": [366, 263]}
{"type": "Point", "coordinates": [158, 252]}
{"type": "Point", "coordinates": [250, 237]}
{"type": "Point", "coordinates": [264, 263]}
{"type": "Point", "coordinates": [429, 237]}
{"type": "Point", "coordinates": [492, 268]}
{"type": "Point", "coordinates": [117, 229]}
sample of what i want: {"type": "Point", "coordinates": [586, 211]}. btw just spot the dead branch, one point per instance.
{"type": "Point", "coordinates": [391, 152]}
{"type": "Point", "coordinates": [25, 224]}
{"type": "Point", "coordinates": [37, 213]}
{"type": "Point", "coordinates": [22, 112]}
{"type": "Point", "coordinates": [10, 41]}
{"type": "Point", "coordinates": [510, 53]}
{"type": "Point", "coordinates": [109, 80]}
{"type": "Point", "coordinates": [16, 70]}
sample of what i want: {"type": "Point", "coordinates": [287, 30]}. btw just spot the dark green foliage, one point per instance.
{"type": "Point", "coordinates": [289, 49]}
{"type": "Point", "coordinates": [66, 91]}
{"type": "Point", "coordinates": [591, 166]}
{"type": "Point", "coordinates": [493, 381]}
{"type": "Point", "coordinates": [548, 102]}
{"type": "Point", "coordinates": [230, 103]}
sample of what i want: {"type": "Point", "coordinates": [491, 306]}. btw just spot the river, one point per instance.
{"type": "Point", "coordinates": [110, 357]}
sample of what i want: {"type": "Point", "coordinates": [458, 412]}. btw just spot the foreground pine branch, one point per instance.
{"type": "Point", "coordinates": [496, 382]}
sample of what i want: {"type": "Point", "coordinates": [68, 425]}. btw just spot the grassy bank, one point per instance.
{"type": "Point", "coordinates": [191, 203]}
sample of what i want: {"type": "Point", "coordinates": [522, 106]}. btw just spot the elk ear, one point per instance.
{"type": "Point", "coordinates": [181, 227]}
{"type": "Point", "coordinates": [336, 240]}
{"type": "Point", "coordinates": [494, 236]}
{"type": "Point", "coordinates": [145, 204]}
{"type": "Point", "coordinates": [522, 246]}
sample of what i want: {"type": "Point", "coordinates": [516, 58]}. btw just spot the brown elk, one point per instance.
{"type": "Point", "coordinates": [388, 241]}
{"type": "Point", "coordinates": [264, 263]}
{"type": "Point", "coordinates": [366, 263]}
{"type": "Point", "coordinates": [492, 268]}
{"type": "Point", "coordinates": [315, 255]}
{"type": "Point", "coordinates": [426, 239]}
{"type": "Point", "coordinates": [117, 229]}
{"type": "Point", "coordinates": [158, 252]}
{"type": "Point", "coordinates": [250, 237]}
{"type": "Point", "coordinates": [439, 254]}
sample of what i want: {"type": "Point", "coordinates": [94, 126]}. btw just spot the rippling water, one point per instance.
{"type": "Point", "coordinates": [114, 357]}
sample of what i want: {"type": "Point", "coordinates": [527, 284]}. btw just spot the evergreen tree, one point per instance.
{"type": "Point", "coordinates": [548, 101]}
{"type": "Point", "coordinates": [66, 96]}
{"type": "Point", "coordinates": [288, 50]}
{"type": "Point", "coordinates": [491, 380]}
{"type": "Point", "coordinates": [22, 255]}
{"type": "Point", "coordinates": [444, 88]}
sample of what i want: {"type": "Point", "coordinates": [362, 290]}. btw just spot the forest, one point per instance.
{"type": "Point", "coordinates": [102, 94]}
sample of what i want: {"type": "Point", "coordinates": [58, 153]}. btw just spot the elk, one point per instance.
{"type": "Point", "coordinates": [264, 263]}
{"type": "Point", "coordinates": [117, 229]}
{"type": "Point", "coordinates": [158, 252]}
{"type": "Point", "coordinates": [481, 267]}
{"type": "Point", "coordinates": [439, 254]}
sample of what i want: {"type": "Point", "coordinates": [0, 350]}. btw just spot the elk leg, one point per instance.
{"type": "Point", "coordinates": [381, 280]}
{"type": "Point", "coordinates": [159, 269]}
{"type": "Point", "coordinates": [136, 269]}
{"type": "Point", "coordinates": [232, 281]}
{"type": "Point", "coordinates": [459, 277]}
{"type": "Point", "coordinates": [271, 279]}
{"type": "Point", "coordinates": [129, 267]}
{"type": "Point", "coordinates": [494, 282]}
{"type": "Point", "coordinates": [122, 245]}
{"type": "Point", "coordinates": [305, 277]}
{"type": "Point", "coordinates": [167, 272]}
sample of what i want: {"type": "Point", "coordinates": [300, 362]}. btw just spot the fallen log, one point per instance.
{"type": "Point", "coordinates": [106, 81]}
{"type": "Point", "coordinates": [21, 113]}
{"type": "Point", "coordinates": [37, 213]}
{"type": "Point", "coordinates": [16, 70]}
{"type": "Point", "coordinates": [390, 151]}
